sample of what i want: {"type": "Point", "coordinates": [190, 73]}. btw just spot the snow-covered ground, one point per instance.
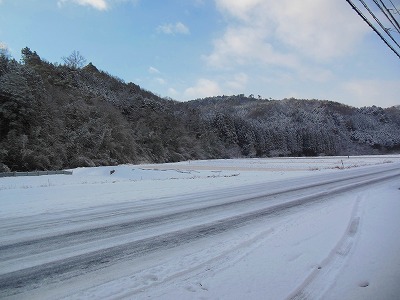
{"type": "Point", "coordinates": [340, 243]}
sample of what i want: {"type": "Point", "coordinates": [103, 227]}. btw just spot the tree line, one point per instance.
{"type": "Point", "coordinates": [57, 116]}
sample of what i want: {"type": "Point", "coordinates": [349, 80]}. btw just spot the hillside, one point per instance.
{"type": "Point", "coordinates": [293, 127]}
{"type": "Point", "coordinates": [56, 116]}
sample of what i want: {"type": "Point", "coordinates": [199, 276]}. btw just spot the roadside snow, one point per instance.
{"type": "Point", "coordinates": [345, 248]}
{"type": "Point", "coordinates": [372, 270]}
{"type": "Point", "coordinates": [21, 196]}
{"type": "Point", "coordinates": [314, 254]}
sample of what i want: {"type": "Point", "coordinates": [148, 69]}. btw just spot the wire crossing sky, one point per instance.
{"type": "Point", "coordinates": [393, 45]}
{"type": "Point", "coordinates": [311, 49]}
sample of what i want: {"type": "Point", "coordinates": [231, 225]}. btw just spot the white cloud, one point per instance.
{"type": "Point", "coordinates": [177, 28]}
{"type": "Point", "coordinates": [160, 80]}
{"type": "Point", "coordinates": [287, 44]}
{"type": "Point", "coordinates": [373, 92]}
{"type": "Point", "coordinates": [173, 92]}
{"type": "Point", "coordinates": [247, 45]}
{"type": "Point", "coordinates": [97, 4]}
{"type": "Point", "coordinates": [241, 9]}
{"type": "Point", "coordinates": [238, 82]}
{"type": "Point", "coordinates": [321, 29]}
{"type": "Point", "coordinates": [314, 73]}
{"type": "Point", "coordinates": [203, 88]}
{"type": "Point", "coordinates": [283, 32]}
{"type": "Point", "coordinates": [153, 70]}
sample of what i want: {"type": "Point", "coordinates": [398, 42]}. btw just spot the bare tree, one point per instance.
{"type": "Point", "coordinates": [75, 60]}
{"type": "Point", "coordinates": [4, 51]}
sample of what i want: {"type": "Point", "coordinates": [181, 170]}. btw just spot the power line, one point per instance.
{"type": "Point", "coordinates": [379, 22]}
{"type": "Point", "coordinates": [388, 14]}
{"type": "Point", "coordinates": [395, 8]}
{"type": "Point", "coordinates": [359, 12]}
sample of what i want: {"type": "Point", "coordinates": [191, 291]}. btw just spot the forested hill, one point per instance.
{"type": "Point", "coordinates": [55, 116]}
{"type": "Point", "coordinates": [292, 127]}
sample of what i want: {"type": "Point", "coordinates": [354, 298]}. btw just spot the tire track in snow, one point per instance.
{"type": "Point", "coordinates": [315, 285]}
{"type": "Point", "coordinates": [18, 281]}
{"type": "Point", "coordinates": [130, 213]}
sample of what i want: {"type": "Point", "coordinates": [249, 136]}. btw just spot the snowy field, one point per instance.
{"type": "Point", "coordinates": [276, 228]}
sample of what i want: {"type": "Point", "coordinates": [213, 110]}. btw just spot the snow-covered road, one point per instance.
{"type": "Point", "coordinates": [269, 239]}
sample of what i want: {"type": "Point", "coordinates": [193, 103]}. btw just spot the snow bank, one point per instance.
{"type": "Point", "coordinates": [345, 248]}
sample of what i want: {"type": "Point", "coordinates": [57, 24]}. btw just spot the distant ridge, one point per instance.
{"type": "Point", "coordinates": [54, 116]}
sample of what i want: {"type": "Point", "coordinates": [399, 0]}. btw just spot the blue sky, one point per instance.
{"type": "Point", "coordinates": [187, 49]}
